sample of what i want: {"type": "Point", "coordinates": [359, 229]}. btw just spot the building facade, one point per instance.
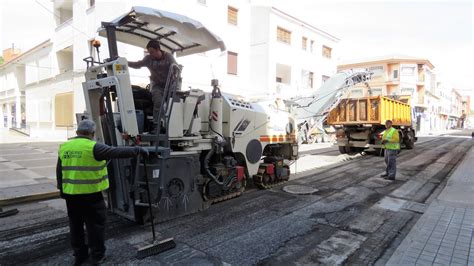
{"type": "Point", "coordinates": [401, 76]}
{"type": "Point", "coordinates": [465, 110]}
{"type": "Point", "coordinates": [290, 56]}
{"type": "Point", "coordinates": [45, 84]}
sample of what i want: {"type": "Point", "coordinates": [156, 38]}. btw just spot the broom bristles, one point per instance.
{"type": "Point", "coordinates": [156, 248]}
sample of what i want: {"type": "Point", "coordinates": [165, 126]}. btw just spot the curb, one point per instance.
{"type": "Point", "coordinates": [29, 198]}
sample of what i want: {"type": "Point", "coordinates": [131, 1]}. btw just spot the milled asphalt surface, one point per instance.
{"type": "Point", "coordinates": [355, 217]}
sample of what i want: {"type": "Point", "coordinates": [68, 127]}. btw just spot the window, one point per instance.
{"type": "Point", "coordinates": [279, 79]}
{"type": "Point", "coordinates": [63, 109]}
{"type": "Point", "coordinates": [232, 13]}
{"type": "Point", "coordinates": [202, 2]}
{"type": "Point", "coordinates": [407, 91]}
{"type": "Point", "coordinates": [311, 46]}
{"type": "Point", "coordinates": [232, 63]}
{"type": "Point", "coordinates": [310, 79]}
{"type": "Point", "coordinates": [283, 35]}
{"type": "Point", "coordinates": [395, 74]}
{"type": "Point", "coordinates": [91, 3]}
{"type": "Point", "coordinates": [375, 91]}
{"type": "Point", "coordinates": [324, 78]}
{"type": "Point", "coordinates": [326, 51]}
{"type": "Point", "coordinates": [408, 71]}
{"type": "Point", "coordinates": [304, 42]}
{"type": "Point", "coordinates": [355, 93]}
{"type": "Point", "coordinates": [376, 68]}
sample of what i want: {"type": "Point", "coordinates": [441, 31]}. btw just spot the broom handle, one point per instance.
{"type": "Point", "coordinates": [149, 200]}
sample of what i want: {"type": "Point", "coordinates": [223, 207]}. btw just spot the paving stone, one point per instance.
{"type": "Point", "coordinates": [463, 239]}
{"type": "Point", "coordinates": [429, 258]}
{"type": "Point", "coordinates": [447, 242]}
{"type": "Point", "coordinates": [456, 261]}
{"type": "Point", "coordinates": [408, 262]}
{"type": "Point", "coordinates": [424, 261]}
{"type": "Point", "coordinates": [428, 253]}
{"type": "Point", "coordinates": [431, 246]}
{"type": "Point", "coordinates": [442, 253]}
{"type": "Point", "coordinates": [442, 261]}
{"type": "Point", "coordinates": [462, 246]}
{"type": "Point", "coordinates": [413, 253]}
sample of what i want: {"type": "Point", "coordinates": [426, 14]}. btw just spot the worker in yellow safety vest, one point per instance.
{"type": "Point", "coordinates": [391, 144]}
{"type": "Point", "coordinates": [81, 174]}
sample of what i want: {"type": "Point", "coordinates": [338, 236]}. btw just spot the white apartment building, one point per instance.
{"type": "Point", "coordinates": [289, 56]}
{"type": "Point", "coordinates": [44, 85]}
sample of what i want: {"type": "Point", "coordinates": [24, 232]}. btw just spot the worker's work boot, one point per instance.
{"type": "Point", "coordinates": [383, 175]}
{"type": "Point", "coordinates": [79, 260]}
{"type": "Point", "coordinates": [98, 261]}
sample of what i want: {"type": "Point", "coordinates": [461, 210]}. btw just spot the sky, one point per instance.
{"type": "Point", "coordinates": [440, 31]}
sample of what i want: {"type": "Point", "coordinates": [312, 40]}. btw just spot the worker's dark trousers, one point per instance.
{"type": "Point", "coordinates": [391, 163]}
{"type": "Point", "coordinates": [91, 213]}
{"type": "Point", "coordinates": [157, 97]}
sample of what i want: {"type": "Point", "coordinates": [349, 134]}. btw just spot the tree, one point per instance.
{"type": "Point", "coordinates": [1, 60]}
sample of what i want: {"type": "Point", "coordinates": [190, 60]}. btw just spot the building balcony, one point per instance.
{"type": "Point", "coordinates": [392, 82]}
{"type": "Point", "coordinates": [63, 36]}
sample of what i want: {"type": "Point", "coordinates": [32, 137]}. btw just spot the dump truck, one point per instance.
{"type": "Point", "coordinates": [360, 122]}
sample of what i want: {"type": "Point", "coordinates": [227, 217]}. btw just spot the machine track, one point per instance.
{"type": "Point", "coordinates": [257, 180]}
{"type": "Point", "coordinates": [224, 197]}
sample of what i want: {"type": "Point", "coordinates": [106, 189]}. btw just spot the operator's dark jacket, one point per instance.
{"type": "Point", "coordinates": [101, 152]}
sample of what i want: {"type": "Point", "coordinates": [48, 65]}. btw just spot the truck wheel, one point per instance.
{"type": "Point", "coordinates": [409, 141]}
{"type": "Point", "coordinates": [342, 149]}
{"type": "Point", "coordinates": [350, 150]}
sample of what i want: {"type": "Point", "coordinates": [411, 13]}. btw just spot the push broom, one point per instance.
{"type": "Point", "coordinates": [155, 247]}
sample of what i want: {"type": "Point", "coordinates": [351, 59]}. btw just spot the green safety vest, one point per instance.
{"type": "Point", "coordinates": [81, 172]}
{"type": "Point", "coordinates": [389, 136]}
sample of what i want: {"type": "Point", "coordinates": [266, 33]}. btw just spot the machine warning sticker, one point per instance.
{"type": "Point", "coordinates": [156, 173]}
{"type": "Point", "coordinates": [120, 67]}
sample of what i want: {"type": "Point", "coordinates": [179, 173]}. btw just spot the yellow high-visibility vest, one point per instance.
{"type": "Point", "coordinates": [393, 139]}
{"type": "Point", "coordinates": [81, 172]}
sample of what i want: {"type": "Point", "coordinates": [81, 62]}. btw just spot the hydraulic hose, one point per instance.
{"type": "Point", "coordinates": [207, 159]}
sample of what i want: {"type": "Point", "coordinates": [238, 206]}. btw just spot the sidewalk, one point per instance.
{"type": "Point", "coordinates": [27, 168]}
{"type": "Point", "coordinates": [11, 136]}
{"type": "Point", "coordinates": [444, 233]}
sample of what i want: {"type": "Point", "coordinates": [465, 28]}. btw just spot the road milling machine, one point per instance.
{"type": "Point", "coordinates": [312, 111]}
{"type": "Point", "coordinates": [209, 146]}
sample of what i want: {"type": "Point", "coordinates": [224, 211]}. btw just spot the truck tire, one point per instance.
{"type": "Point", "coordinates": [342, 149]}
{"type": "Point", "coordinates": [409, 141]}
{"type": "Point", "coordinates": [350, 150]}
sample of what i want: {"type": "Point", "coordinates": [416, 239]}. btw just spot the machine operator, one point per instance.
{"type": "Point", "coordinates": [158, 62]}
{"type": "Point", "coordinates": [81, 174]}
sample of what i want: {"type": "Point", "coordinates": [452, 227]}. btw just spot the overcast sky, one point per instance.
{"type": "Point", "coordinates": [441, 31]}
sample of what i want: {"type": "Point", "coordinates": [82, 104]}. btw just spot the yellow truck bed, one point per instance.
{"type": "Point", "coordinates": [370, 110]}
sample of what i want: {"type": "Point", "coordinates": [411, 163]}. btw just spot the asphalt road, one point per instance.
{"type": "Point", "coordinates": [355, 217]}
